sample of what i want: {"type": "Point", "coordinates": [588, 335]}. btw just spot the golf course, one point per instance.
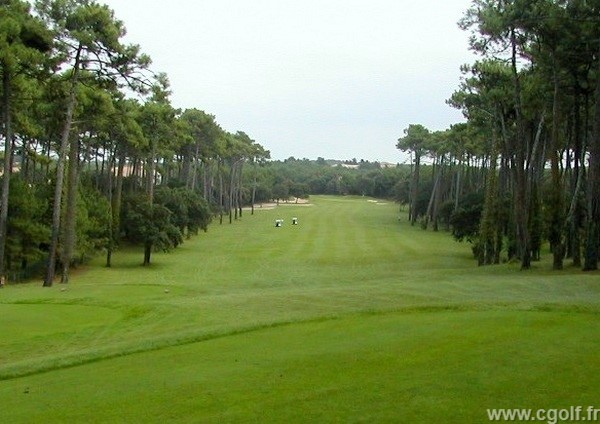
{"type": "Point", "coordinates": [353, 315]}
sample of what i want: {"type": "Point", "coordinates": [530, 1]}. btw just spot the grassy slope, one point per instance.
{"type": "Point", "coordinates": [357, 317]}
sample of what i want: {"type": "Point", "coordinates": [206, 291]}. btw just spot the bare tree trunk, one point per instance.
{"type": "Point", "coordinates": [116, 209]}
{"type": "Point", "coordinates": [147, 253]}
{"type": "Point", "coordinates": [239, 184]}
{"type": "Point", "coordinates": [253, 197]}
{"type": "Point", "coordinates": [71, 212]}
{"type": "Point", "coordinates": [521, 206]}
{"type": "Point", "coordinates": [8, 136]}
{"type": "Point", "coordinates": [430, 205]}
{"type": "Point", "coordinates": [231, 190]}
{"type": "Point", "coordinates": [205, 176]}
{"type": "Point", "coordinates": [60, 172]}
{"type": "Point", "coordinates": [592, 250]}
{"type": "Point", "coordinates": [110, 192]}
{"type": "Point", "coordinates": [438, 196]}
{"type": "Point", "coordinates": [415, 189]}
{"type": "Point", "coordinates": [457, 188]}
{"type": "Point", "coordinates": [556, 198]}
{"type": "Point", "coordinates": [221, 192]}
{"type": "Point", "coordinates": [488, 225]}
{"type": "Point", "coordinates": [574, 214]}
{"type": "Point", "coordinates": [195, 168]}
{"type": "Point", "coordinates": [410, 191]}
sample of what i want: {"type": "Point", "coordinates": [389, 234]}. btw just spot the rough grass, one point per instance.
{"type": "Point", "coordinates": [352, 315]}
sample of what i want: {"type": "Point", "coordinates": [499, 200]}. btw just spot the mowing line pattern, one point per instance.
{"type": "Point", "coordinates": [349, 258]}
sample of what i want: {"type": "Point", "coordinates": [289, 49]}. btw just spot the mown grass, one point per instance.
{"type": "Point", "coordinates": [352, 315]}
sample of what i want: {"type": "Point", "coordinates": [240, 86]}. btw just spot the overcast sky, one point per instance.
{"type": "Point", "coordinates": [339, 79]}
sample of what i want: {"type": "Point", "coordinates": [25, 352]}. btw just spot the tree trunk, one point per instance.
{"type": "Point", "coordinates": [430, 205]}
{"type": "Point", "coordinates": [221, 193]}
{"type": "Point", "coordinates": [488, 225]}
{"type": "Point", "coordinates": [186, 167]}
{"type": "Point", "coordinates": [109, 194]}
{"type": "Point", "coordinates": [205, 181]}
{"type": "Point", "coordinates": [147, 253]}
{"type": "Point", "coordinates": [438, 196]}
{"type": "Point", "coordinates": [253, 199]}
{"type": "Point", "coordinates": [521, 206]}
{"type": "Point", "coordinates": [195, 167]}
{"type": "Point", "coordinates": [503, 226]}
{"type": "Point", "coordinates": [593, 190]}
{"type": "Point", "coordinates": [415, 189]}
{"type": "Point", "coordinates": [70, 233]}
{"type": "Point", "coordinates": [231, 205]}
{"type": "Point", "coordinates": [457, 188]}
{"type": "Point", "coordinates": [240, 193]}
{"type": "Point", "coordinates": [574, 214]}
{"type": "Point", "coordinates": [116, 201]}
{"type": "Point", "coordinates": [556, 198]}
{"type": "Point", "coordinates": [60, 172]}
{"type": "Point", "coordinates": [8, 136]}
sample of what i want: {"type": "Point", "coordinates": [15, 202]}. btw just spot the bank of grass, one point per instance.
{"type": "Point", "coordinates": [352, 315]}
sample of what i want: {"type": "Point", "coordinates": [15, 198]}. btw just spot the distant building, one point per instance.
{"type": "Point", "coordinates": [365, 165]}
{"type": "Point", "coordinates": [349, 165]}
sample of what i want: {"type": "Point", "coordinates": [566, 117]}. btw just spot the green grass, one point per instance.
{"type": "Point", "coordinates": [351, 316]}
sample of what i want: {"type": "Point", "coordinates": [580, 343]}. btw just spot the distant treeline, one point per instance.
{"type": "Point", "coordinates": [301, 177]}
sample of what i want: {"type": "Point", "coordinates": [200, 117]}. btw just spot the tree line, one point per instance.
{"type": "Point", "coordinates": [299, 178]}
{"type": "Point", "coordinates": [94, 152]}
{"type": "Point", "coordinates": [524, 169]}
{"type": "Point", "coordinates": [95, 155]}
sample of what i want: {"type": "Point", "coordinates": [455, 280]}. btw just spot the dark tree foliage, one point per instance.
{"type": "Point", "coordinates": [190, 212]}
{"type": "Point", "coordinates": [93, 223]}
{"type": "Point", "coordinates": [27, 231]}
{"type": "Point", "coordinates": [465, 220]}
{"type": "Point", "coordinates": [149, 224]}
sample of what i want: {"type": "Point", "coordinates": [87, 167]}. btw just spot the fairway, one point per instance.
{"type": "Point", "coordinates": [351, 316]}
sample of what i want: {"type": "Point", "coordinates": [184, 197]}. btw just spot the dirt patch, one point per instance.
{"type": "Point", "coordinates": [261, 206]}
{"type": "Point", "coordinates": [300, 202]}
{"type": "Point", "coordinates": [273, 205]}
